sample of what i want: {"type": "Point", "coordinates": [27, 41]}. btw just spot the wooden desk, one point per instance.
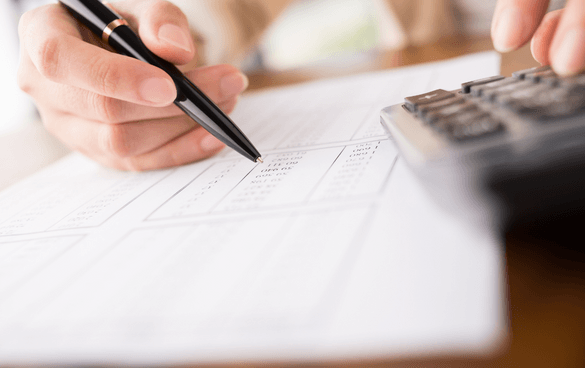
{"type": "Point", "coordinates": [545, 267]}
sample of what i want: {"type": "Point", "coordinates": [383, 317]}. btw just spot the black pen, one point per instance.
{"type": "Point", "coordinates": [114, 30]}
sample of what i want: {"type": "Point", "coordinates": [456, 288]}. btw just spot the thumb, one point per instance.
{"type": "Point", "coordinates": [162, 26]}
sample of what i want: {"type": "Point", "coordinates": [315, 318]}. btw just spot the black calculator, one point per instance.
{"type": "Point", "coordinates": [500, 151]}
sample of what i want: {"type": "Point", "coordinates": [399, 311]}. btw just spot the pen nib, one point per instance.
{"type": "Point", "coordinates": [259, 159]}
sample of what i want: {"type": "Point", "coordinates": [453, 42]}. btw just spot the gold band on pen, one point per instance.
{"type": "Point", "coordinates": [110, 28]}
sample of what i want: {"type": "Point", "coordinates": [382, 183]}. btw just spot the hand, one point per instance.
{"type": "Point", "coordinates": [115, 109]}
{"type": "Point", "coordinates": [558, 38]}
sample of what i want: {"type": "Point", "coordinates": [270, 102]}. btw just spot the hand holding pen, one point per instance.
{"type": "Point", "coordinates": [115, 109]}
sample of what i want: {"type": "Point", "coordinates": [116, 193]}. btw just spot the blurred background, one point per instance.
{"type": "Point", "coordinates": [330, 33]}
{"type": "Point", "coordinates": [15, 106]}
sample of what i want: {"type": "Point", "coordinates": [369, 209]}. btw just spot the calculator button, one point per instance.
{"type": "Point", "coordinates": [466, 87]}
{"type": "Point", "coordinates": [498, 94]}
{"type": "Point", "coordinates": [448, 111]}
{"type": "Point", "coordinates": [435, 106]}
{"type": "Point", "coordinates": [412, 103]}
{"type": "Point", "coordinates": [523, 95]}
{"type": "Point", "coordinates": [533, 107]}
{"type": "Point", "coordinates": [548, 76]}
{"type": "Point", "coordinates": [473, 127]}
{"type": "Point", "coordinates": [521, 74]}
{"type": "Point", "coordinates": [467, 118]}
{"type": "Point", "coordinates": [564, 102]}
{"type": "Point", "coordinates": [577, 81]}
{"type": "Point", "coordinates": [553, 103]}
{"type": "Point", "coordinates": [480, 89]}
{"type": "Point", "coordinates": [442, 126]}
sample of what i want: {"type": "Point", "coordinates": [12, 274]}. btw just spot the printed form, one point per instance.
{"type": "Point", "coordinates": [329, 249]}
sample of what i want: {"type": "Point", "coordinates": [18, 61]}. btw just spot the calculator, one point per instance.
{"type": "Point", "coordinates": [500, 151]}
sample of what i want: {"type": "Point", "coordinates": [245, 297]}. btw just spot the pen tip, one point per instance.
{"type": "Point", "coordinates": [259, 159]}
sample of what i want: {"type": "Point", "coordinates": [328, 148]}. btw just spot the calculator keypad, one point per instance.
{"type": "Point", "coordinates": [536, 93]}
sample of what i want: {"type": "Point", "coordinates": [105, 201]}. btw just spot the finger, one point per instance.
{"type": "Point", "coordinates": [54, 46]}
{"type": "Point", "coordinates": [567, 51]}
{"type": "Point", "coordinates": [542, 39]}
{"type": "Point", "coordinates": [118, 140]}
{"type": "Point", "coordinates": [221, 83]}
{"type": "Point", "coordinates": [163, 28]}
{"type": "Point", "coordinates": [515, 21]}
{"type": "Point", "coordinates": [193, 146]}
{"type": "Point", "coordinates": [229, 106]}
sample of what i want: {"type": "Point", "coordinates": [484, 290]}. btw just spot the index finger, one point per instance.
{"type": "Point", "coordinates": [515, 21]}
{"type": "Point", "coordinates": [567, 51]}
{"type": "Point", "coordinates": [54, 45]}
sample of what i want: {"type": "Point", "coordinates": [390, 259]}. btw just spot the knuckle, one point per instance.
{"type": "Point", "coordinates": [22, 79]}
{"type": "Point", "coordinates": [48, 123]}
{"type": "Point", "coordinates": [174, 158]}
{"type": "Point", "coordinates": [48, 57]}
{"type": "Point", "coordinates": [52, 122]}
{"type": "Point", "coordinates": [106, 76]}
{"type": "Point", "coordinates": [114, 141]}
{"type": "Point", "coordinates": [106, 109]}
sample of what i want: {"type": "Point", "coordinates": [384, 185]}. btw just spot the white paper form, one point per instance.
{"type": "Point", "coordinates": [329, 249]}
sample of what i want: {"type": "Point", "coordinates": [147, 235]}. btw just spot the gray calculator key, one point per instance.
{"type": "Point", "coordinates": [481, 89]}
{"type": "Point", "coordinates": [467, 117]}
{"type": "Point", "coordinates": [524, 96]}
{"type": "Point", "coordinates": [577, 81]}
{"type": "Point", "coordinates": [466, 87]}
{"type": "Point", "coordinates": [552, 103]}
{"type": "Point", "coordinates": [442, 126]}
{"type": "Point", "coordinates": [497, 94]}
{"type": "Point", "coordinates": [474, 127]}
{"type": "Point", "coordinates": [449, 111]}
{"type": "Point", "coordinates": [548, 76]}
{"type": "Point", "coordinates": [521, 74]}
{"type": "Point", "coordinates": [562, 102]}
{"type": "Point", "coordinates": [435, 106]}
{"type": "Point", "coordinates": [412, 103]}
{"type": "Point", "coordinates": [532, 106]}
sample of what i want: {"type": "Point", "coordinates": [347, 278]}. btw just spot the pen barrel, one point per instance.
{"type": "Point", "coordinates": [95, 15]}
{"type": "Point", "coordinates": [106, 23]}
{"type": "Point", "coordinates": [190, 99]}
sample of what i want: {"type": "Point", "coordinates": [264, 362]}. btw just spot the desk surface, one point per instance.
{"type": "Point", "coordinates": [545, 266]}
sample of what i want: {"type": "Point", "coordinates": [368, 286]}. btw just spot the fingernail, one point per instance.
{"type": "Point", "coordinates": [508, 30]}
{"type": "Point", "coordinates": [175, 36]}
{"type": "Point", "coordinates": [210, 143]}
{"type": "Point", "coordinates": [569, 57]}
{"type": "Point", "coordinates": [158, 90]}
{"type": "Point", "coordinates": [233, 84]}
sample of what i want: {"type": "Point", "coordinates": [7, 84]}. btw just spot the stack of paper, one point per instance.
{"type": "Point", "coordinates": [330, 249]}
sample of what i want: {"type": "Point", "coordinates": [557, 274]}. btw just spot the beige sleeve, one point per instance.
{"type": "Point", "coordinates": [227, 29]}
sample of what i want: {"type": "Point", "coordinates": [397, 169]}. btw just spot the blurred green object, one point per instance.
{"type": "Point", "coordinates": [327, 31]}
